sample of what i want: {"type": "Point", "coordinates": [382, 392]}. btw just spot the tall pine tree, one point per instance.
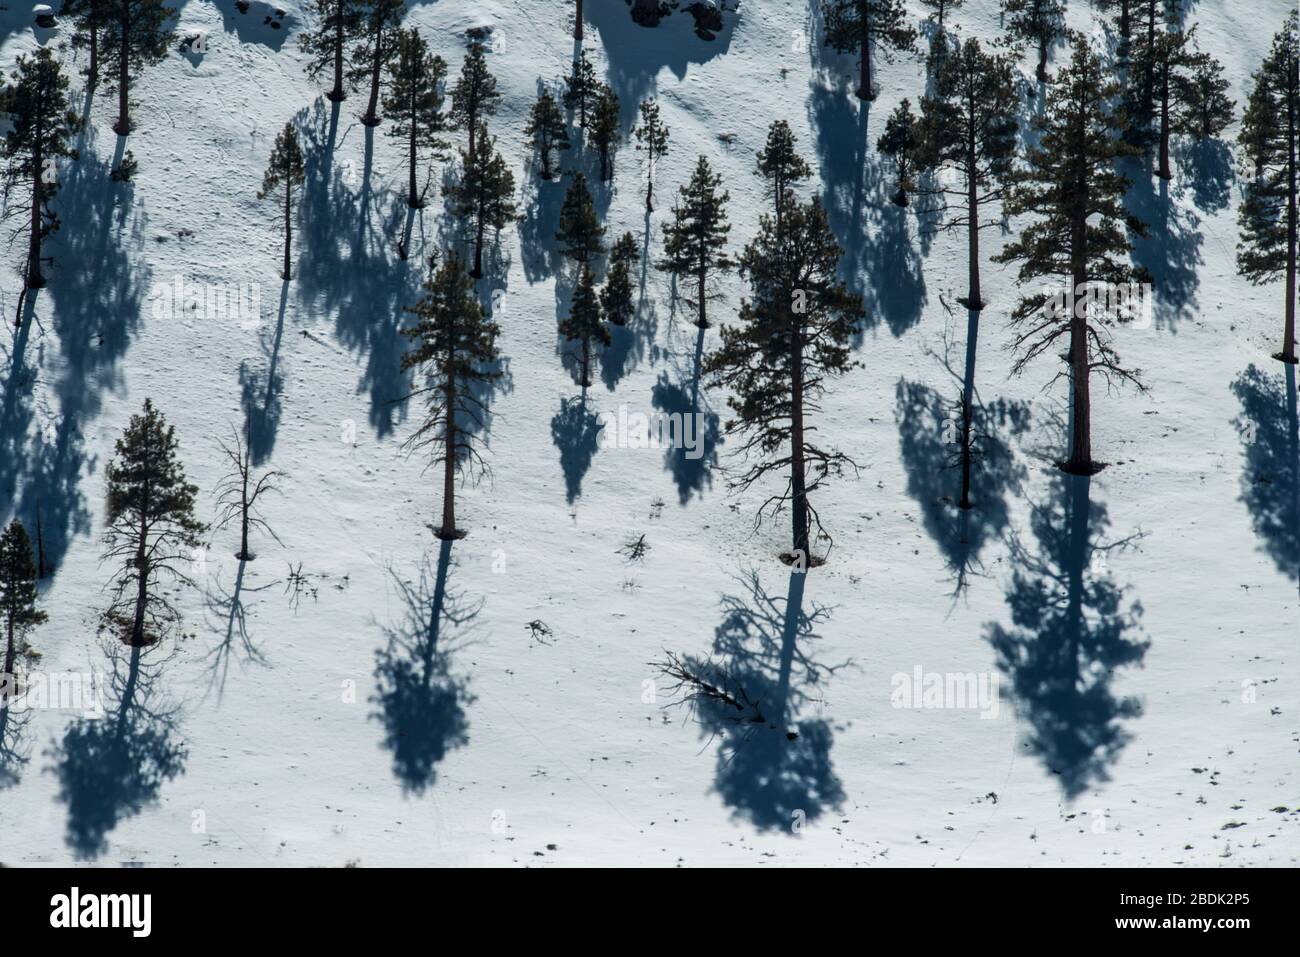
{"type": "Point", "coordinates": [582, 90]}
{"type": "Point", "coordinates": [18, 594]}
{"type": "Point", "coordinates": [605, 132]}
{"type": "Point", "coordinates": [413, 104]}
{"type": "Point", "coordinates": [87, 18]}
{"type": "Point", "coordinates": [856, 26]}
{"type": "Point", "coordinates": [284, 174]}
{"type": "Point", "coordinates": [651, 137]}
{"type": "Point", "coordinates": [695, 242]}
{"type": "Point", "coordinates": [580, 234]}
{"type": "Point", "coordinates": [338, 25]}
{"type": "Point", "coordinates": [1037, 22]}
{"type": "Point", "coordinates": [900, 142]}
{"type": "Point", "coordinates": [137, 34]}
{"type": "Point", "coordinates": [616, 294]}
{"type": "Point", "coordinates": [585, 323]}
{"type": "Point", "coordinates": [376, 44]}
{"type": "Point", "coordinates": [939, 8]}
{"type": "Point", "coordinates": [474, 95]}
{"type": "Point", "coordinates": [546, 130]}
{"type": "Point", "coordinates": [781, 165]}
{"type": "Point", "coordinates": [485, 193]}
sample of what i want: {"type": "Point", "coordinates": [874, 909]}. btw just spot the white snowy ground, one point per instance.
{"type": "Point", "coordinates": [271, 749]}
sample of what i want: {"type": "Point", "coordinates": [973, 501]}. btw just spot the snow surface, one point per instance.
{"type": "Point", "coordinates": [248, 749]}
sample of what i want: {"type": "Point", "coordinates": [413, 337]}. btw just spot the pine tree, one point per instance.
{"type": "Point", "coordinates": [585, 322]}
{"type": "Point", "coordinates": [377, 41]}
{"type": "Point", "coordinates": [581, 89]}
{"type": "Point", "coordinates": [652, 137]}
{"type": "Point", "coordinates": [40, 127]}
{"type": "Point", "coordinates": [1171, 57]}
{"type": "Point", "coordinates": [18, 594]}
{"type": "Point", "coordinates": [136, 35]}
{"type": "Point", "coordinates": [1039, 22]}
{"type": "Point", "coordinates": [546, 130]}
{"type": "Point", "coordinates": [485, 193]}
{"type": "Point", "coordinates": [794, 334]}
{"type": "Point", "coordinates": [454, 344]}
{"type": "Point", "coordinates": [605, 132]}
{"type": "Point", "coordinates": [284, 171]}
{"type": "Point", "coordinates": [1077, 237]}
{"type": "Point", "coordinates": [781, 165]}
{"type": "Point", "coordinates": [1145, 53]}
{"type": "Point", "coordinates": [900, 142]}
{"type": "Point", "coordinates": [474, 95]}
{"type": "Point", "coordinates": [413, 104]}
{"type": "Point", "coordinates": [338, 25]}
{"type": "Point", "coordinates": [1270, 137]}
{"type": "Point", "coordinates": [695, 241]}
{"type": "Point", "coordinates": [87, 18]}
{"type": "Point", "coordinates": [1123, 22]}
{"type": "Point", "coordinates": [854, 26]}
{"type": "Point", "coordinates": [616, 295]}
{"type": "Point", "coordinates": [151, 529]}
{"type": "Point", "coordinates": [940, 7]}
{"type": "Point", "coordinates": [580, 233]}
{"type": "Point", "coordinates": [1203, 108]}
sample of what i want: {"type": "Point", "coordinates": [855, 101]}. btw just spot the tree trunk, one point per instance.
{"type": "Point", "coordinates": [702, 321]}
{"type": "Point", "coordinates": [1041, 72]}
{"type": "Point", "coordinates": [448, 530]}
{"type": "Point", "coordinates": [412, 199]}
{"type": "Point", "coordinates": [288, 223]}
{"type": "Point", "coordinates": [92, 68]}
{"type": "Point", "coordinates": [585, 380]}
{"type": "Point", "coordinates": [974, 297]}
{"type": "Point", "coordinates": [968, 405]}
{"type": "Point", "coordinates": [650, 182]}
{"type": "Point", "coordinates": [798, 488]}
{"type": "Point", "coordinates": [243, 555]}
{"type": "Point", "coordinates": [142, 579]}
{"type": "Point", "coordinates": [10, 654]}
{"type": "Point", "coordinates": [34, 278]}
{"type": "Point", "coordinates": [1288, 353]}
{"type": "Point", "coordinates": [864, 63]}
{"type": "Point", "coordinates": [123, 124]}
{"type": "Point", "coordinates": [372, 106]}
{"type": "Point", "coordinates": [1080, 460]}
{"type": "Point", "coordinates": [338, 94]}
{"type": "Point", "coordinates": [577, 22]}
{"type": "Point", "coordinates": [1164, 172]}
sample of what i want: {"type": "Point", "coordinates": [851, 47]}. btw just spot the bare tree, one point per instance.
{"type": "Point", "coordinates": [238, 492]}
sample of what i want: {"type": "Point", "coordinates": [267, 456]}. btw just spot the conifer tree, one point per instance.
{"type": "Point", "coordinates": [454, 345]}
{"type": "Point", "coordinates": [546, 130]}
{"type": "Point", "coordinates": [137, 34]}
{"type": "Point", "coordinates": [1270, 137]}
{"type": "Point", "coordinates": [338, 26]}
{"type": "Point", "coordinates": [485, 193]}
{"type": "Point", "coordinates": [1123, 12]}
{"type": "Point", "coordinates": [239, 492]}
{"type": "Point", "coordinates": [1077, 238]}
{"type": "Point", "coordinates": [1037, 22]}
{"type": "Point", "coordinates": [585, 322]}
{"type": "Point", "coordinates": [794, 334]}
{"type": "Point", "coordinates": [900, 143]}
{"type": "Point", "coordinates": [781, 165]}
{"type": "Point", "coordinates": [580, 233]}
{"type": "Point", "coordinates": [939, 8]}
{"type": "Point", "coordinates": [1144, 53]}
{"type": "Point", "coordinates": [474, 95]}
{"type": "Point", "coordinates": [855, 26]}
{"type": "Point", "coordinates": [695, 241]}
{"type": "Point", "coordinates": [1203, 108]}
{"type": "Point", "coordinates": [40, 128]}
{"type": "Point", "coordinates": [376, 43]}
{"type": "Point", "coordinates": [152, 531]}
{"type": "Point", "coordinates": [652, 137]}
{"type": "Point", "coordinates": [284, 171]}
{"type": "Point", "coordinates": [413, 103]}
{"type": "Point", "coordinates": [605, 131]}
{"type": "Point", "coordinates": [18, 594]}
{"type": "Point", "coordinates": [616, 295]}
{"type": "Point", "coordinates": [87, 18]}
{"type": "Point", "coordinates": [581, 89]}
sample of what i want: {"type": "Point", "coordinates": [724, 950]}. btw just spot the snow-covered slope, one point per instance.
{"type": "Point", "coordinates": [338, 730]}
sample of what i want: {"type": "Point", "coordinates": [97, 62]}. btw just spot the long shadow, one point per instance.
{"type": "Point", "coordinates": [680, 394]}
{"type": "Point", "coordinates": [421, 701]}
{"type": "Point", "coordinates": [15, 743]}
{"type": "Point", "coordinates": [1171, 253]}
{"type": "Point", "coordinates": [261, 389]}
{"type": "Point", "coordinates": [1270, 479]}
{"type": "Point", "coordinates": [1071, 630]}
{"type": "Point", "coordinates": [112, 767]}
{"type": "Point", "coordinates": [1207, 171]}
{"type": "Point", "coordinates": [575, 430]}
{"type": "Point", "coordinates": [236, 643]}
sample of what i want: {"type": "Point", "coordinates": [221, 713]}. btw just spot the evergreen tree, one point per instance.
{"type": "Point", "coordinates": [474, 95]}
{"type": "Point", "coordinates": [1145, 53]}
{"type": "Point", "coordinates": [695, 241]}
{"type": "Point", "coordinates": [1270, 137]}
{"type": "Point", "coordinates": [454, 344]}
{"type": "Point", "coordinates": [546, 130]}
{"type": "Point", "coordinates": [18, 594]}
{"type": "Point", "coordinates": [377, 41]}
{"type": "Point", "coordinates": [1038, 22]}
{"type": "Point", "coordinates": [1171, 56]}
{"type": "Point", "coordinates": [87, 17]}
{"type": "Point", "coordinates": [781, 165]}
{"type": "Point", "coordinates": [585, 322]}
{"type": "Point", "coordinates": [854, 26]}
{"type": "Point", "coordinates": [1123, 12]}
{"type": "Point", "coordinates": [413, 103]}
{"type": "Point", "coordinates": [580, 233]}
{"type": "Point", "coordinates": [338, 25]}
{"type": "Point", "coordinates": [151, 529]}
{"type": "Point", "coordinates": [652, 137]}
{"type": "Point", "coordinates": [137, 34]}
{"type": "Point", "coordinates": [581, 89]}
{"type": "Point", "coordinates": [485, 193]}
{"type": "Point", "coordinates": [939, 8]}
{"type": "Point", "coordinates": [900, 142]}
{"type": "Point", "coordinates": [284, 171]}
{"type": "Point", "coordinates": [616, 295]}
{"type": "Point", "coordinates": [1077, 237]}
{"type": "Point", "coordinates": [1203, 108]}
{"type": "Point", "coordinates": [794, 334]}
{"type": "Point", "coordinates": [40, 127]}
{"type": "Point", "coordinates": [605, 131]}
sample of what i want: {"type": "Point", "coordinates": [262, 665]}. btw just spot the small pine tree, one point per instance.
{"type": "Point", "coordinates": [1078, 238]}
{"type": "Point", "coordinates": [900, 142]}
{"type": "Point", "coordinates": [605, 132]}
{"type": "Point", "coordinates": [454, 344]}
{"type": "Point", "coordinates": [939, 8]}
{"type": "Point", "coordinates": [1270, 137]}
{"type": "Point", "coordinates": [546, 130]}
{"type": "Point", "coordinates": [651, 137]}
{"type": "Point", "coordinates": [781, 165]}
{"type": "Point", "coordinates": [40, 128]}
{"type": "Point", "coordinates": [18, 594]}
{"type": "Point", "coordinates": [794, 334]}
{"type": "Point", "coordinates": [413, 103]}
{"type": "Point", "coordinates": [580, 233]}
{"type": "Point", "coordinates": [585, 322]}
{"type": "Point", "coordinates": [151, 528]}
{"type": "Point", "coordinates": [581, 90]}
{"type": "Point", "coordinates": [338, 25]}
{"type": "Point", "coordinates": [87, 18]}
{"type": "Point", "coordinates": [616, 295]}
{"type": "Point", "coordinates": [474, 95]}
{"type": "Point", "coordinates": [136, 35]}
{"type": "Point", "coordinates": [1037, 22]}
{"type": "Point", "coordinates": [695, 241]}
{"type": "Point", "coordinates": [853, 26]}
{"type": "Point", "coordinates": [1203, 107]}
{"type": "Point", "coordinates": [285, 171]}
{"type": "Point", "coordinates": [376, 44]}
{"type": "Point", "coordinates": [485, 193]}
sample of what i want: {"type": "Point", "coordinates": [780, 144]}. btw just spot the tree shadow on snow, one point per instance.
{"type": "Point", "coordinates": [1269, 427]}
{"type": "Point", "coordinates": [1172, 251]}
{"type": "Point", "coordinates": [575, 431]}
{"type": "Point", "coordinates": [678, 393]}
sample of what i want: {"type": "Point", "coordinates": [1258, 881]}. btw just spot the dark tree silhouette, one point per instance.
{"type": "Point", "coordinates": [474, 96]}
{"type": "Point", "coordinates": [546, 130]}
{"type": "Point", "coordinates": [376, 43]}
{"type": "Point", "coordinates": [585, 323]}
{"type": "Point", "coordinates": [695, 241]}
{"type": "Point", "coordinates": [413, 104]}
{"type": "Point", "coordinates": [652, 137]}
{"type": "Point", "coordinates": [286, 172]}
{"type": "Point", "coordinates": [137, 34]}
{"type": "Point", "coordinates": [338, 24]}
{"type": "Point", "coordinates": [1037, 22]}
{"type": "Point", "coordinates": [856, 26]}
{"type": "Point", "coordinates": [485, 193]}
{"type": "Point", "coordinates": [238, 494]}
